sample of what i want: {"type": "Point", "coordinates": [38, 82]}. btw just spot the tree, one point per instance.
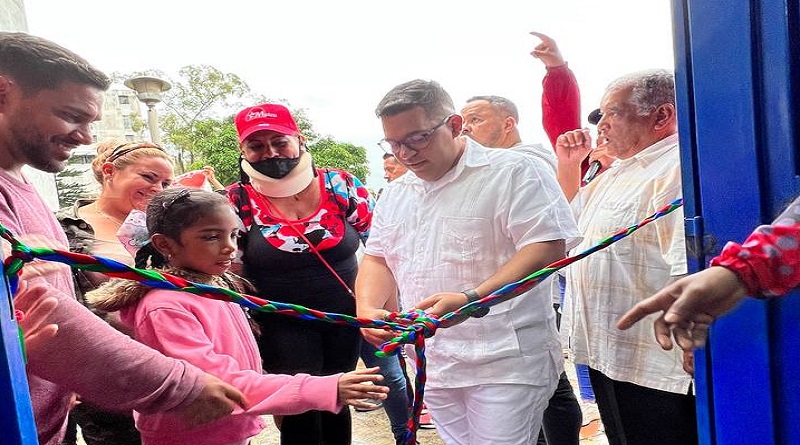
{"type": "Point", "coordinates": [217, 145]}
{"type": "Point", "coordinates": [203, 93]}
{"type": "Point", "coordinates": [69, 190]}
{"type": "Point", "coordinates": [198, 123]}
{"type": "Point", "coordinates": [341, 155]}
{"type": "Point", "coordinates": [199, 94]}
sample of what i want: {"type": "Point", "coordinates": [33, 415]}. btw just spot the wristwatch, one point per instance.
{"type": "Point", "coordinates": [473, 296]}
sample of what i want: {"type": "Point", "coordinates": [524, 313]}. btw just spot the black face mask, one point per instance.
{"type": "Point", "coordinates": [275, 168]}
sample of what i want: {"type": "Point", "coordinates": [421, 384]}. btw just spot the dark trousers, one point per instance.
{"type": "Point", "coordinates": [290, 346]}
{"type": "Point", "coordinates": [101, 427]}
{"type": "Point", "coordinates": [561, 424]}
{"type": "Point", "coordinates": [396, 403]}
{"type": "Point", "coordinates": [635, 415]}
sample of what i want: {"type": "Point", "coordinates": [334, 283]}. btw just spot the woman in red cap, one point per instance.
{"type": "Point", "coordinates": [303, 226]}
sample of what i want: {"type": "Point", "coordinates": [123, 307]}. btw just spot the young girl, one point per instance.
{"type": "Point", "coordinates": [194, 233]}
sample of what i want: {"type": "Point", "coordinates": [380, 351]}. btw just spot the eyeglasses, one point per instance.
{"type": "Point", "coordinates": [415, 141]}
{"type": "Point", "coordinates": [122, 150]}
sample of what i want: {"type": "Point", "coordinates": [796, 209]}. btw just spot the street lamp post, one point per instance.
{"type": "Point", "coordinates": [149, 90]}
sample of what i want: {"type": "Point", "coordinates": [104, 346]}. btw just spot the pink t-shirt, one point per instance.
{"type": "Point", "coordinates": [87, 356]}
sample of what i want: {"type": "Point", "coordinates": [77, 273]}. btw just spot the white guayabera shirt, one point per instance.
{"type": "Point", "coordinates": [453, 233]}
{"type": "Point", "coordinates": [606, 284]}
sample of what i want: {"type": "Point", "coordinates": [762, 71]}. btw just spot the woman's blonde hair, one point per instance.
{"type": "Point", "coordinates": [122, 153]}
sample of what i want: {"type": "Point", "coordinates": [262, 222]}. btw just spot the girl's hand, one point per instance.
{"type": "Point", "coordinates": [357, 385]}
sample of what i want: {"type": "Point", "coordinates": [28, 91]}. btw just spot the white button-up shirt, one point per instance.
{"type": "Point", "coordinates": [451, 234]}
{"type": "Point", "coordinates": [604, 285]}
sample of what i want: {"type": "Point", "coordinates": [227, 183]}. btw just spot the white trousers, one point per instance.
{"type": "Point", "coordinates": [504, 414]}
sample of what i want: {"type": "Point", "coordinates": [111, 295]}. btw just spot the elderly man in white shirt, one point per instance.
{"type": "Point", "coordinates": [642, 392]}
{"type": "Point", "coordinates": [465, 221]}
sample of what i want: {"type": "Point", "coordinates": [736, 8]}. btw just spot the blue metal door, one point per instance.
{"type": "Point", "coordinates": [737, 75]}
{"type": "Point", "coordinates": [16, 416]}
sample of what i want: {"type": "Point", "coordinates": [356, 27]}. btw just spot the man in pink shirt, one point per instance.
{"type": "Point", "coordinates": [48, 98]}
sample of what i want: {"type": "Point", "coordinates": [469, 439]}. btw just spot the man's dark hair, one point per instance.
{"type": "Point", "coordinates": [427, 94]}
{"type": "Point", "coordinates": [387, 156]}
{"type": "Point", "coordinates": [37, 64]}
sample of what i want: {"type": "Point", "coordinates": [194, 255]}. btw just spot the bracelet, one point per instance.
{"type": "Point", "coordinates": [473, 296]}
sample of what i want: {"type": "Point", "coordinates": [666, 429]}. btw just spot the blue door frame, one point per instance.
{"type": "Point", "coordinates": [737, 80]}
{"type": "Point", "coordinates": [16, 416]}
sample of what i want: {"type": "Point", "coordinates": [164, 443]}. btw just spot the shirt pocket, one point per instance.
{"type": "Point", "coordinates": [392, 240]}
{"type": "Point", "coordinates": [613, 217]}
{"type": "Point", "coordinates": [479, 341]}
{"type": "Point", "coordinates": [463, 248]}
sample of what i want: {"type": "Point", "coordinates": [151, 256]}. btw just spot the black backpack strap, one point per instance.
{"type": "Point", "coordinates": [351, 205]}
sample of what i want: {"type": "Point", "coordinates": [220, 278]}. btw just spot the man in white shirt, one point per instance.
{"type": "Point", "coordinates": [492, 122]}
{"type": "Point", "coordinates": [642, 392]}
{"type": "Point", "coordinates": [469, 219]}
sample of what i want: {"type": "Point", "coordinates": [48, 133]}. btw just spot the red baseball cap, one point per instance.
{"type": "Point", "coordinates": [265, 117]}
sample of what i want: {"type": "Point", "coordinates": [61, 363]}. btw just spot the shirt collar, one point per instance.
{"type": "Point", "coordinates": [474, 155]}
{"type": "Point", "coordinates": [653, 152]}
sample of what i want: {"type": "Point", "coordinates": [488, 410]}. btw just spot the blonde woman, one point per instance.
{"type": "Point", "coordinates": [129, 174]}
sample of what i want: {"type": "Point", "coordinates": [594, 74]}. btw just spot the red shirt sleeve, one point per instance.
{"type": "Point", "coordinates": [768, 262]}
{"type": "Point", "coordinates": [561, 104]}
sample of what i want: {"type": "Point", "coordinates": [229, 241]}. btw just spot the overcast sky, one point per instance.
{"type": "Point", "coordinates": [336, 59]}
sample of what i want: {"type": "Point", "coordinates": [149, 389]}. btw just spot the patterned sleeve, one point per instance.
{"type": "Point", "coordinates": [768, 262]}
{"type": "Point", "coordinates": [353, 196]}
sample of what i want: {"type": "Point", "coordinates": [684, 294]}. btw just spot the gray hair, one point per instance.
{"type": "Point", "coordinates": [499, 102]}
{"type": "Point", "coordinates": [649, 89]}
{"type": "Point", "coordinates": [427, 94]}
{"type": "Point", "coordinates": [38, 64]}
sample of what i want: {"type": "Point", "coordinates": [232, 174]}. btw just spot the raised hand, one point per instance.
{"type": "Point", "coordinates": [600, 153]}
{"type": "Point", "coordinates": [374, 336]}
{"type": "Point", "coordinates": [547, 51]}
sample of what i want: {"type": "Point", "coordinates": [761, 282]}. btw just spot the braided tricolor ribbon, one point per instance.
{"type": "Point", "coordinates": [411, 327]}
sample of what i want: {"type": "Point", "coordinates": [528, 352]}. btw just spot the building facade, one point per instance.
{"type": "Point", "coordinates": [121, 119]}
{"type": "Point", "coordinates": [12, 18]}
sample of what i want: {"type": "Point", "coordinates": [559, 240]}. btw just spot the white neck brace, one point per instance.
{"type": "Point", "coordinates": [293, 183]}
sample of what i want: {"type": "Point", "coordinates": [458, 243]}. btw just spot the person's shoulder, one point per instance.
{"type": "Point", "coordinates": [234, 188]}
{"type": "Point", "coordinates": [168, 299]}
{"type": "Point", "coordinates": [512, 159]}
{"type": "Point", "coordinates": [337, 174]}
{"type": "Point", "coordinates": [539, 152]}
{"type": "Point", "coordinates": [234, 192]}
{"type": "Point", "coordinates": [71, 212]}
{"type": "Point", "coordinates": [493, 156]}
{"type": "Point", "coordinates": [175, 303]}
